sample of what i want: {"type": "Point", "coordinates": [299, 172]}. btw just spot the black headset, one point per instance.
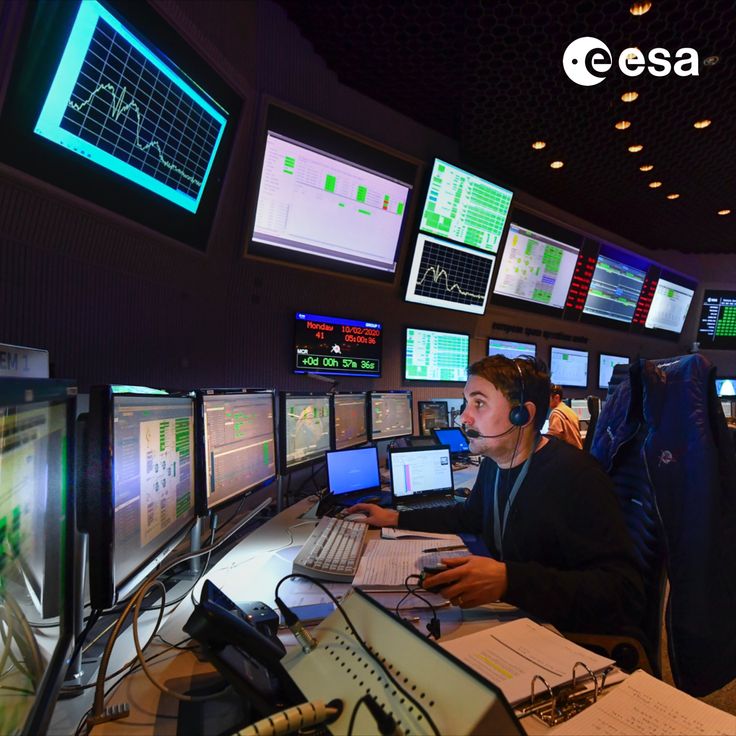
{"type": "Point", "coordinates": [519, 414]}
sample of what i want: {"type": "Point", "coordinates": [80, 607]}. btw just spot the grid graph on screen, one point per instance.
{"type": "Point", "coordinates": [449, 276]}
{"type": "Point", "coordinates": [116, 103]}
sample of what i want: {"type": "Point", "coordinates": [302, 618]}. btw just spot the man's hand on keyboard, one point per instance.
{"type": "Point", "coordinates": [376, 516]}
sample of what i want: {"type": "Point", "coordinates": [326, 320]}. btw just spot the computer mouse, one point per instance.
{"type": "Point", "coordinates": [357, 516]}
{"type": "Point", "coordinates": [463, 492]}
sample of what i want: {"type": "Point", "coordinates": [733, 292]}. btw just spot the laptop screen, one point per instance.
{"type": "Point", "coordinates": [454, 438]}
{"type": "Point", "coordinates": [420, 470]}
{"type": "Point", "coordinates": [349, 471]}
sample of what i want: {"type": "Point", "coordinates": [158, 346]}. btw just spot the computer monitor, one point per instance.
{"type": "Point", "coordinates": [329, 200]}
{"type": "Point", "coordinates": [350, 420]}
{"type": "Point", "coordinates": [337, 346]}
{"type": "Point", "coordinates": [569, 367]}
{"type": "Point", "coordinates": [535, 268]}
{"type": "Point", "coordinates": [390, 414]}
{"type": "Point", "coordinates": [670, 304]}
{"type": "Point", "coordinates": [726, 387]}
{"type": "Point", "coordinates": [454, 439]}
{"type": "Point", "coordinates": [305, 433]}
{"type": "Point", "coordinates": [511, 348]}
{"type": "Point", "coordinates": [416, 471]}
{"type": "Point", "coordinates": [36, 547]}
{"type": "Point", "coordinates": [431, 355]}
{"type": "Point", "coordinates": [236, 444]}
{"type": "Point", "coordinates": [353, 471]}
{"type": "Point", "coordinates": [432, 414]}
{"type": "Point", "coordinates": [717, 326]}
{"type": "Point", "coordinates": [139, 500]}
{"type": "Point", "coordinates": [464, 207]}
{"type": "Point", "coordinates": [580, 407]}
{"type": "Point", "coordinates": [606, 364]}
{"type": "Point", "coordinates": [727, 405]}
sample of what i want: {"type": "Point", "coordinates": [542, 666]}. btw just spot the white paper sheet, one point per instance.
{"type": "Point", "coordinates": [390, 533]}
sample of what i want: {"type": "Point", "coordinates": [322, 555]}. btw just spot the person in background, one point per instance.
{"type": "Point", "coordinates": [547, 512]}
{"type": "Point", "coordinates": [563, 421]}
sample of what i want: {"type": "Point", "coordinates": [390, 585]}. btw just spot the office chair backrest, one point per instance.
{"type": "Point", "coordinates": [594, 409]}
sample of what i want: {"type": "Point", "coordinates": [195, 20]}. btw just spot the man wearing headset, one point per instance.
{"type": "Point", "coordinates": [546, 511]}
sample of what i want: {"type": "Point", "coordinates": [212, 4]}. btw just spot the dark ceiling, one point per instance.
{"type": "Point", "coordinates": [489, 74]}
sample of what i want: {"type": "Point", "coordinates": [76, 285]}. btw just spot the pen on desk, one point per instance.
{"type": "Point", "coordinates": [445, 549]}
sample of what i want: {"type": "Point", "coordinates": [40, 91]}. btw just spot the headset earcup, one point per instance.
{"type": "Point", "coordinates": [519, 415]}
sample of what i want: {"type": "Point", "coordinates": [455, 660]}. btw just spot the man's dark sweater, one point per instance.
{"type": "Point", "coordinates": [568, 555]}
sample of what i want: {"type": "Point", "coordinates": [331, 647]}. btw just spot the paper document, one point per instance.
{"type": "Point", "coordinates": [387, 564]}
{"type": "Point", "coordinates": [645, 705]}
{"type": "Point", "coordinates": [511, 654]}
{"type": "Point", "coordinates": [390, 533]}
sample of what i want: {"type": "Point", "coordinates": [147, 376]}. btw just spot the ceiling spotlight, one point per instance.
{"type": "Point", "coordinates": [636, 148]}
{"type": "Point", "coordinates": [704, 123]}
{"type": "Point", "coordinates": [557, 164]}
{"type": "Point", "coordinates": [622, 124]}
{"type": "Point", "coordinates": [646, 167]}
{"type": "Point", "coordinates": [640, 8]}
{"type": "Point", "coordinates": [538, 145]}
{"type": "Point", "coordinates": [629, 96]}
{"type": "Point", "coordinates": [674, 195]}
{"type": "Point", "coordinates": [655, 184]}
{"type": "Point", "coordinates": [724, 212]}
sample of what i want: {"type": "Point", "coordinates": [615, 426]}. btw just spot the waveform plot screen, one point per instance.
{"type": "Point", "coordinates": [390, 414]}
{"type": "Point", "coordinates": [606, 364]}
{"type": "Point", "coordinates": [316, 203]}
{"type": "Point", "coordinates": [615, 286]}
{"type": "Point", "coordinates": [431, 355]}
{"type": "Point", "coordinates": [717, 326]}
{"type": "Point", "coordinates": [153, 476]}
{"type": "Point", "coordinates": [305, 428]}
{"type": "Point", "coordinates": [464, 207]}
{"type": "Point", "coordinates": [239, 444]}
{"type": "Point", "coordinates": [569, 367]}
{"type": "Point", "coordinates": [535, 268]}
{"type": "Point", "coordinates": [115, 101]}
{"type": "Point", "coordinates": [351, 426]}
{"type": "Point", "coordinates": [337, 346]}
{"type": "Point", "coordinates": [446, 275]}
{"type": "Point", "coordinates": [511, 348]}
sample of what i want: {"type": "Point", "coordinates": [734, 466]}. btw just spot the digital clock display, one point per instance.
{"type": "Point", "coordinates": [338, 346]}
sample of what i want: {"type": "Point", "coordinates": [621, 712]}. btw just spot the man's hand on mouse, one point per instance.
{"type": "Point", "coordinates": [375, 515]}
{"type": "Point", "coordinates": [469, 581]}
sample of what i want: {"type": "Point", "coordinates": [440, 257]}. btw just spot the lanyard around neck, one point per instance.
{"type": "Point", "coordinates": [499, 529]}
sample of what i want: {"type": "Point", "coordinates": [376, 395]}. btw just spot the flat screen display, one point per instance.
{"type": "Point", "coordinates": [432, 415]}
{"type": "Point", "coordinates": [511, 348]}
{"type": "Point", "coordinates": [717, 326]}
{"type": "Point", "coordinates": [670, 305]}
{"type": "Point", "coordinates": [464, 207]}
{"type": "Point", "coordinates": [606, 365]}
{"type": "Point", "coordinates": [454, 438]}
{"type": "Point", "coordinates": [390, 414]}
{"type": "Point", "coordinates": [436, 356]}
{"type": "Point", "coordinates": [330, 201]}
{"type": "Point", "coordinates": [450, 276]}
{"type": "Point", "coordinates": [535, 268]}
{"type": "Point", "coordinates": [569, 367]}
{"type": "Point", "coordinates": [726, 387]}
{"type": "Point", "coordinates": [337, 346]}
{"type": "Point", "coordinates": [305, 428]}
{"type": "Point", "coordinates": [615, 286]}
{"type": "Point", "coordinates": [351, 471]}
{"type": "Point", "coordinates": [351, 426]}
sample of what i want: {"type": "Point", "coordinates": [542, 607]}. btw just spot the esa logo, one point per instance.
{"type": "Point", "coordinates": [587, 60]}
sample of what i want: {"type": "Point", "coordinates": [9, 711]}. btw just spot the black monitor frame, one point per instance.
{"type": "Point", "coordinates": [97, 514]}
{"type": "Point", "coordinates": [505, 339]}
{"type": "Point", "coordinates": [283, 395]}
{"type": "Point", "coordinates": [17, 392]}
{"type": "Point", "coordinates": [364, 394]}
{"type": "Point", "coordinates": [602, 386]}
{"type": "Point", "coordinates": [567, 347]}
{"type": "Point", "coordinates": [428, 381]}
{"type": "Point", "coordinates": [727, 378]}
{"type": "Point", "coordinates": [706, 341]}
{"type": "Point", "coordinates": [371, 394]}
{"type": "Point", "coordinates": [202, 504]}
{"type": "Point", "coordinates": [423, 406]}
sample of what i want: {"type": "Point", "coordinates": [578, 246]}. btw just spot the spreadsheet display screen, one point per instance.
{"type": "Point", "coordinates": [669, 306]}
{"type": "Point", "coordinates": [615, 286]}
{"type": "Point", "coordinates": [569, 367]}
{"type": "Point", "coordinates": [463, 207]}
{"type": "Point", "coordinates": [717, 327]}
{"type": "Point", "coordinates": [436, 356]}
{"type": "Point", "coordinates": [605, 367]}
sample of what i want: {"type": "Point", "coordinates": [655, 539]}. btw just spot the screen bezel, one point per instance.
{"type": "Point", "coordinates": [366, 449]}
{"type": "Point", "coordinates": [503, 339]}
{"type": "Point", "coordinates": [715, 343]}
{"type": "Point", "coordinates": [202, 503]}
{"type": "Point", "coordinates": [421, 407]}
{"type": "Point", "coordinates": [445, 490]}
{"type": "Point", "coordinates": [364, 394]}
{"type": "Point", "coordinates": [26, 392]}
{"type": "Point", "coordinates": [601, 385]}
{"type": "Point", "coordinates": [46, 26]}
{"type": "Point", "coordinates": [440, 441]}
{"type": "Point", "coordinates": [371, 394]}
{"type": "Point", "coordinates": [568, 348]}
{"type": "Point", "coordinates": [349, 145]}
{"type": "Point", "coordinates": [424, 381]}
{"type": "Point", "coordinates": [283, 395]}
{"type": "Point", "coordinates": [727, 397]}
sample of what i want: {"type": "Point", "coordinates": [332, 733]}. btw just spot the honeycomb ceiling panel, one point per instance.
{"type": "Point", "coordinates": [490, 75]}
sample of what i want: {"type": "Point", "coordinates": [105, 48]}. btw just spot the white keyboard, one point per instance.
{"type": "Point", "coordinates": [332, 551]}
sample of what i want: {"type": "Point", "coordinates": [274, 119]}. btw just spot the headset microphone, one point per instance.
{"type": "Point", "coordinates": [474, 434]}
